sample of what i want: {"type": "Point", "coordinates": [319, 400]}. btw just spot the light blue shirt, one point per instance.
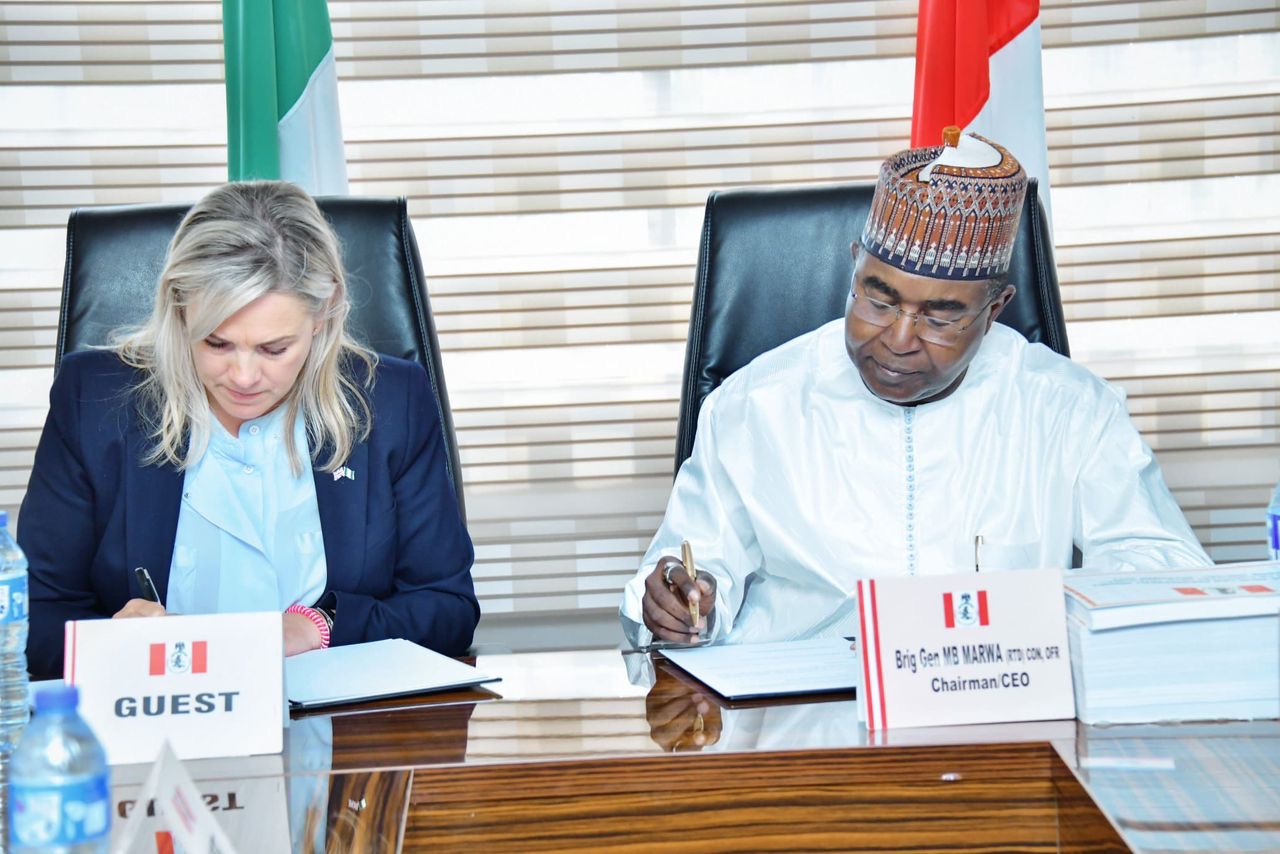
{"type": "Point", "coordinates": [249, 535]}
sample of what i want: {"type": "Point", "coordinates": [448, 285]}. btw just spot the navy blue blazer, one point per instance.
{"type": "Point", "coordinates": [398, 556]}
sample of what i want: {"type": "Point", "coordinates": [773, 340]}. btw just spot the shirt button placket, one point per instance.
{"type": "Point", "coordinates": [908, 416]}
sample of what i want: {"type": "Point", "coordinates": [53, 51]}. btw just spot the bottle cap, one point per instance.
{"type": "Point", "coordinates": [57, 698]}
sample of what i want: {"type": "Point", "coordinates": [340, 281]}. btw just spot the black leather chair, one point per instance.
{"type": "Point", "coordinates": [115, 255]}
{"type": "Point", "coordinates": [775, 263]}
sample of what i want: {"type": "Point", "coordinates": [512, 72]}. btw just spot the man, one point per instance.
{"type": "Point", "coordinates": [913, 437]}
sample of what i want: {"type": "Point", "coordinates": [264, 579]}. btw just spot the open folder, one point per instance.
{"type": "Point", "coordinates": [751, 670]}
{"type": "Point", "coordinates": [366, 671]}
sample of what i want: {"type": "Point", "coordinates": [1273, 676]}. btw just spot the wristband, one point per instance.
{"type": "Point", "coordinates": [321, 624]}
{"type": "Point", "coordinates": [328, 616]}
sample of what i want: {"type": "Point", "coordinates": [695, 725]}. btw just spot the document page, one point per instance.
{"type": "Point", "coordinates": [744, 671]}
{"type": "Point", "coordinates": [1120, 599]}
{"type": "Point", "coordinates": [363, 671]}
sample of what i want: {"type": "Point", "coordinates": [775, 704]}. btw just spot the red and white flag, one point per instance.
{"type": "Point", "coordinates": [966, 608]}
{"type": "Point", "coordinates": [978, 67]}
{"type": "Point", "coordinates": [179, 657]}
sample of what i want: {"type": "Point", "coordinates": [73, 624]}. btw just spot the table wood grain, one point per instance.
{"type": "Point", "coordinates": [567, 755]}
{"type": "Point", "coordinates": [991, 798]}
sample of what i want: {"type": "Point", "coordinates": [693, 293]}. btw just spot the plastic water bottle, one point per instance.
{"type": "Point", "coordinates": [13, 637]}
{"type": "Point", "coordinates": [59, 792]}
{"type": "Point", "coordinates": [1273, 523]}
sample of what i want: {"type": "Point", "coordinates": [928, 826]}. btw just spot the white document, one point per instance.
{"type": "Point", "coordinates": [1113, 600]}
{"type": "Point", "coordinates": [743, 671]}
{"type": "Point", "coordinates": [363, 671]}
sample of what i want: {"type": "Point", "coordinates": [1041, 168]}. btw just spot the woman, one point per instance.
{"type": "Point", "coordinates": [247, 452]}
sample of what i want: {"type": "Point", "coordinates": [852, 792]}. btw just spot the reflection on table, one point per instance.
{"type": "Point", "coordinates": [1190, 787]}
{"type": "Point", "coordinates": [569, 752]}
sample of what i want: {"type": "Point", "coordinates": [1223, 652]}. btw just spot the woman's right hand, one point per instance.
{"type": "Point", "coordinates": [139, 608]}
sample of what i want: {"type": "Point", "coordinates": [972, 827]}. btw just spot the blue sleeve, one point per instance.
{"type": "Point", "coordinates": [57, 528]}
{"type": "Point", "coordinates": [432, 600]}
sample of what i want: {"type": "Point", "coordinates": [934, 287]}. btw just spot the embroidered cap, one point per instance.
{"type": "Point", "coordinates": [949, 211]}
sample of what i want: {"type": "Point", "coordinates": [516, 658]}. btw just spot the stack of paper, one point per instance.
{"type": "Point", "coordinates": [1176, 645]}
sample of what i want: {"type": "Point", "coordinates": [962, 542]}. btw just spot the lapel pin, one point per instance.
{"type": "Point", "coordinates": [344, 472]}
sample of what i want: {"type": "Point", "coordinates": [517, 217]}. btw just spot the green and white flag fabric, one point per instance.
{"type": "Point", "coordinates": [282, 94]}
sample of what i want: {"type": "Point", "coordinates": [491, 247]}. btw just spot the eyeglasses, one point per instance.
{"type": "Point", "coordinates": [935, 330]}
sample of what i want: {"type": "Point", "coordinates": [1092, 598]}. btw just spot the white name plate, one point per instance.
{"type": "Point", "coordinates": [963, 649]}
{"type": "Point", "coordinates": [212, 685]}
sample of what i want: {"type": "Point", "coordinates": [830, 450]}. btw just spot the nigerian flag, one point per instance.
{"type": "Point", "coordinates": [282, 94]}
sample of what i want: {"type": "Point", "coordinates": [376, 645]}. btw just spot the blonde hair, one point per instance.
{"type": "Point", "coordinates": [239, 243]}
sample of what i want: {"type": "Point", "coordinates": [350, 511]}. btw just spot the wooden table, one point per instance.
{"type": "Point", "coordinates": [566, 753]}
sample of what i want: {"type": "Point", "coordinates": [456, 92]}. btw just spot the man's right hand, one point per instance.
{"type": "Point", "coordinates": [666, 606]}
{"type": "Point", "coordinates": [680, 717]}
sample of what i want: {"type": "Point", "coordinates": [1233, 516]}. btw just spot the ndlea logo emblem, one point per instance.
{"type": "Point", "coordinates": [965, 608]}
{"type": "Point", "coordinates": [178, 657]}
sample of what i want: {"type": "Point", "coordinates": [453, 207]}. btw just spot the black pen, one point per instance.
{"type": "Point", "coordinates": [148, 586]}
